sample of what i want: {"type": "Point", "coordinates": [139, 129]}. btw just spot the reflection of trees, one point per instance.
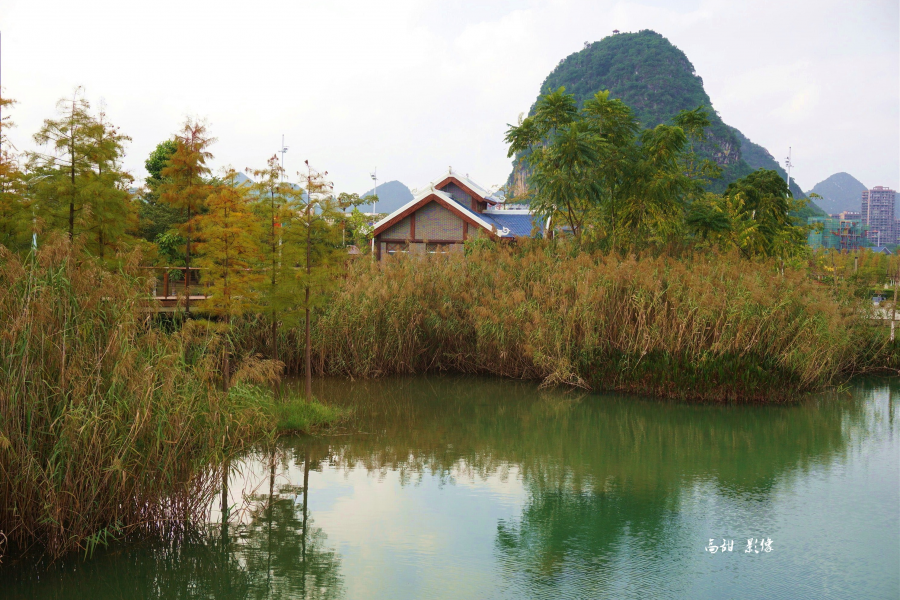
{"type": "Point", "coordinates": [452, 427]}
{"type": "Point", "coordinates": [284, 551]}
{"type": "Point", "coordinates": [277, 553]}
{"type": "Point", "coordinates": [600, 471]}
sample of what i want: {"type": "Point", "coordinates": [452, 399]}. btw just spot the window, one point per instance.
{"type": "Point", "coordinates": [435, 248]}
{"type": "Point", "coordinates": [396, 247]}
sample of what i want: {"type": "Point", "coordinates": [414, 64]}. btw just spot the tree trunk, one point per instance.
{"type": "Point", "coordinates": [187, 270]}
{"type": "Point", "coordinates": [308, 360]}
{"type": "Point", "coordinates": [72, 199]}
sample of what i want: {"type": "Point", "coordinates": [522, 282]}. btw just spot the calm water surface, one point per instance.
{"type": "Point", "coordinates": [482, 488]}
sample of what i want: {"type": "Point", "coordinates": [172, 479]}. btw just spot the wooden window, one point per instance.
{"type": "Point", "coordinates": [396, 247]}
{"type": "Point", "coordinates": [435, 248]}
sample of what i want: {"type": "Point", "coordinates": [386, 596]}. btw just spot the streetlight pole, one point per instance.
{"type": "Point", "coordinates": [789, 165]}
{"type": "Point", "coordinates": [374, 175]}
{"type": "Point", "coordinates": [283, 150]}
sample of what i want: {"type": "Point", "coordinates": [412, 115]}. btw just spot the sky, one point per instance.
{"type": "Point", "coordinates": [412, 87]}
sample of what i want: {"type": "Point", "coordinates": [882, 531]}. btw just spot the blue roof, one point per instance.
{"type": "Point", "coordinates": [880, 249]}
{"type": "Point", "coordinates": [519, 225]}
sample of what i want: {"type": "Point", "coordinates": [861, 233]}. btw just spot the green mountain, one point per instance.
{"type": "Point", "coordinates": [840, 192]}
{"type": "Point", "coordinates": [657, 81]}
{"type": "Point", "coordinates": [391, 196]}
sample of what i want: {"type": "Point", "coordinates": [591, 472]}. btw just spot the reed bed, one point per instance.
{"type": "Point", "coordinates": [107, 425]}
{"type": "Point", "coordinates": [709, 327]}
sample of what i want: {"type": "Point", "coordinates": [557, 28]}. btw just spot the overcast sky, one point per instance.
{"type": "Point", "coordinates": [414, 86]}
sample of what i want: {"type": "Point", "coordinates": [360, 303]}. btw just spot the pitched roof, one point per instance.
{"type": "Point", "coordinates": [504, 223]}
{"type": "Point", "coordinates": [481, 192]}
{"type": "Point", "coordinates": [422, 198]}
{"type": "Point", "coordinates": [516, 223]}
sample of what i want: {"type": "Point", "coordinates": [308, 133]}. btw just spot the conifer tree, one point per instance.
{"type": "Point", "coordinates": [184, 186]}
{"type": "Point", "coordinates": [63, 177]}
{"type": "Point", "coordinates": [15, 213]}
{"type": "Point", "coordinates": [228, 252]}
{"type": "Point", "coordinates": [271, 205]}
{"type": "Point", "coordinates": [111, 209]}
{"type": "Point", "coordinates": [312, 229]}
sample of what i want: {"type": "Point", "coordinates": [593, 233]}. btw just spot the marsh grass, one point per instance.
{"type": "Point", "coordinates": [289, 411]}
{"type": "Point", "coordinates": [107, 426]}
{"type": "Point", "coordinates": [708, 327]}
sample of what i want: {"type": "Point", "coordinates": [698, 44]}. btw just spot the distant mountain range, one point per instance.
{"type": "Point", "coordinates": [840, 192]}
{"type": "Point", "coordinates": [391, 196]}
{"type": "Point", "coordinates": [656, 79]}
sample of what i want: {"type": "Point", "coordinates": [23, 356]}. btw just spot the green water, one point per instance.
{"type": "Point", "coordinates": [484, 488]}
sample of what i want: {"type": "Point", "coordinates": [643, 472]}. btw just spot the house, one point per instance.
{"type": "Point", "coordinates": [446, 213]}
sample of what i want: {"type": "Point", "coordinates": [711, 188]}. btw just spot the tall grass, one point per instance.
{"type": "Point", "coordinates": [107, 426]}
{"type": "Point", "coordinates": [710, 327]}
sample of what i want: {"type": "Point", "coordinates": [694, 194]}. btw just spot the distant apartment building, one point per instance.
{"type": "Point", "coordinates": [877, 213]}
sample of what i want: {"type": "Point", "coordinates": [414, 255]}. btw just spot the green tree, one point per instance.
{"type": "Point", "coordinates": [62, 180]}
{"type": "Point", "coordinates": [15, 212]}
{"type": "Point", "coordinates": [754, 214]}
{"type": "Point", "coordinates": [592, 171]}
{"type": "Point", "coordinates": [158, 218]}
{"type": "Point", "coordinates": [312, 228]}
{"type": "Point", "coordinates": [112, 211]}
{"type": "Point", "coordinates": [272, 198]}
{"type": "Point", "coordinates": [355, 226]}
{"type": "Point", "coordinates": [184, 186]}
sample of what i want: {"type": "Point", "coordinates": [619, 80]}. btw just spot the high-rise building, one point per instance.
{"type": "Point", "coordinates": [878, 215]}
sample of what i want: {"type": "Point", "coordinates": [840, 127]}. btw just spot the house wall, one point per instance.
{"type": "Point", "coordinates": [419, 249]}
{"type": "Point", "coordinates": [434, 222]}
{"type": "Point", "coordinates": [399, 232]}
{"type": "Point", "coordinates": [431, 223]}
{"type": "Point", "coordinates": [457, 193]}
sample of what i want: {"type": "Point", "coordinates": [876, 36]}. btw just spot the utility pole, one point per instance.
{"type": "Point", "coordinates": [374, 176]}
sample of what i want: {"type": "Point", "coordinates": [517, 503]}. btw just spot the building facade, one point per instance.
{"type": "Point", "coordinates": [444, 215]}
{"type": "Point", "coordinates": [877, 214]}
{"type": "Point", "coordinates": [837, 233]}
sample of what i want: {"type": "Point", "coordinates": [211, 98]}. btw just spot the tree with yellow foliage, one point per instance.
{"type": "Point", "coordinates": [228, 253]}
{"type": "Point", "coordinates": [185, 186]}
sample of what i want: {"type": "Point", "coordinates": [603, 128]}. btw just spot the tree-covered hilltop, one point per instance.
{"type": "Point", "coordinates": [656, 79]}
{"type": "Point", "coordinates": [840, 192]}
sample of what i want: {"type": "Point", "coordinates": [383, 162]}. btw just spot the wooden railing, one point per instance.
{"type": "Point", "coordinates": [171, 291]}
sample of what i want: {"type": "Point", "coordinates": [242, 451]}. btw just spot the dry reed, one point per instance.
{"type": "Point", "coordinates": [710, 327]}
{"type": "Point", "coordinates": [107, 426]}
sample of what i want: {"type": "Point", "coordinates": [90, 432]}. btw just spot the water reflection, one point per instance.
{"type": "Point", "coordinates": [462, 487]}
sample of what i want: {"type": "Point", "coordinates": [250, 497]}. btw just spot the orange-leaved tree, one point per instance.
{"type": "Point", "coordinates": [185, 186]}
{"type": "Point", "coordinates": [15, 211]}
{"type": "Point", "coordinates": [228, 253]}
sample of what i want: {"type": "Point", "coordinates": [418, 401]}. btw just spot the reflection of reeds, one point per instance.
{"type": "Point", "coordinates": [106, 425]}
{"type": "Point", "coordinates": [708, 327]}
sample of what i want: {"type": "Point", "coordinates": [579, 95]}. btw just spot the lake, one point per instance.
{"type": "Point", "coordinates": [459, 487]}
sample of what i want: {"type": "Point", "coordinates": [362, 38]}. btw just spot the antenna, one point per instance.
{"type": "Point", "coordinates": [283, 150]}
{"type": "Point", "coordinates": [374, 176]}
